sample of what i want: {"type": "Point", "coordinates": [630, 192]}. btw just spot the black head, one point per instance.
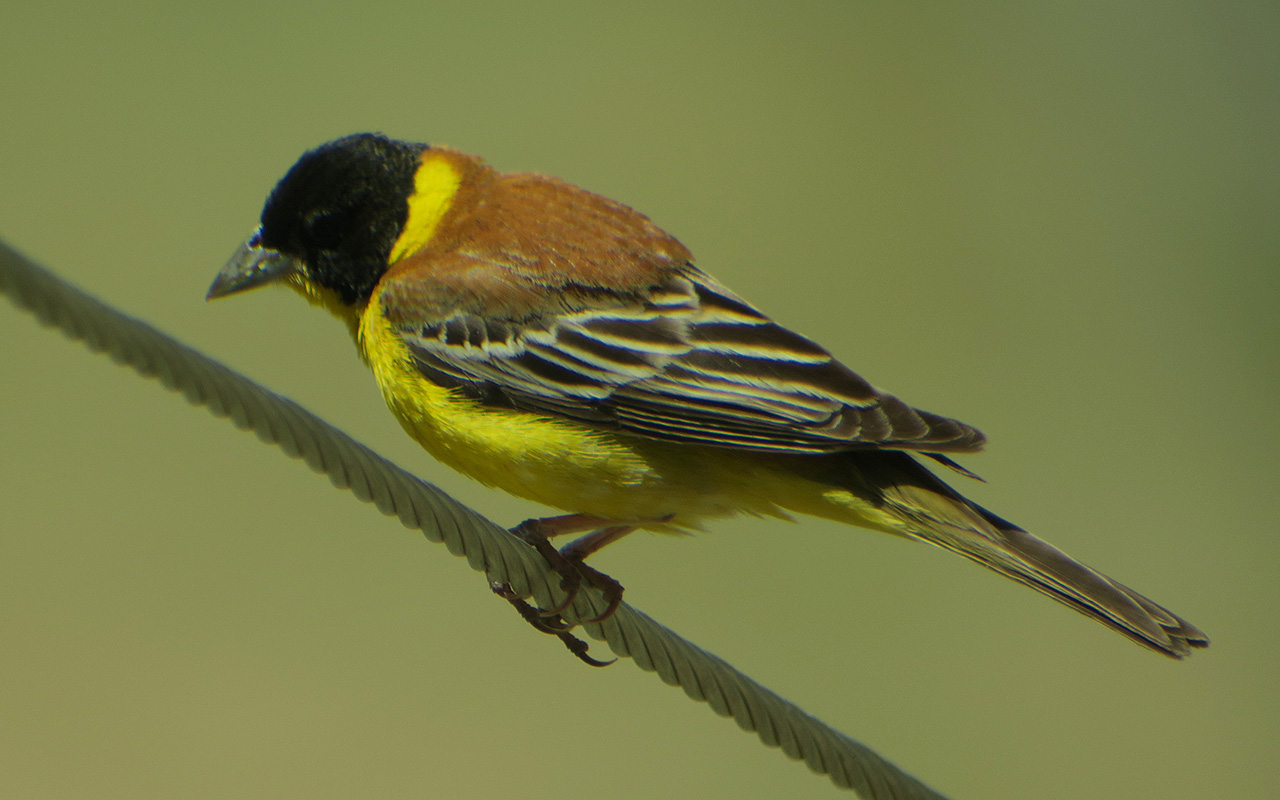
{"type": "Point", "coordinates": [339, 210]}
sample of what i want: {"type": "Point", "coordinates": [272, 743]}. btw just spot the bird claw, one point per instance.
{"type": "Point", "coordinates": [573, 574]}
{"type": "Point", "coordinates": [552, 625]}
{"type": "Point", "coordinates": [608, 586]}
{"type": "Point", "coordinates": [571, 568]}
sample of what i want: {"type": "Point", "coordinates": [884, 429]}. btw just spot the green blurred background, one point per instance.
{"type": "Point", "coordinates": [1058, 224]}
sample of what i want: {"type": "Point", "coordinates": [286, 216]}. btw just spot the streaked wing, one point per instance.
{"type": "Point", "coordinates": [692, 362]}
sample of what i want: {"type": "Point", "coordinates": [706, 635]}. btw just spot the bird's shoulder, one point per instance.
{"type": "Point", "coordinates": [517, 245]}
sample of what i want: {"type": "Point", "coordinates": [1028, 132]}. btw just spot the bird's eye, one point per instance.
{"type": "Point", "coordinates": [325, 229]}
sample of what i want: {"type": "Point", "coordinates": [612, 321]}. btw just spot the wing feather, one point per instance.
{"type": "Point", "coordinates": [689, 361]}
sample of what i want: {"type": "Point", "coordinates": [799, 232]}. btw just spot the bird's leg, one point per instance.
{"type": "Point", "coordinates": [569, 561]}
{"type": "Point", "coordinates": [577, 551]}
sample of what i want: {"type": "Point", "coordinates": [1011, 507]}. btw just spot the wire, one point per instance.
{"type": "Point", "coordinates": [487, 547]}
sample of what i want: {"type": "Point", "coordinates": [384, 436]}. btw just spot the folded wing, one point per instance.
{"type": "Point", "coordinates": [687, 362]}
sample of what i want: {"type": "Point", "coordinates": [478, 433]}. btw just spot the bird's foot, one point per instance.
{"type": "Point", "coordinates": [569, 563]}
{"type": "Point", "coordinates": [553, 625]}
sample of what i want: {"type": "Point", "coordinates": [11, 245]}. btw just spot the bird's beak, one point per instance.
{"type": "Point", "coordinates": [252, 266]}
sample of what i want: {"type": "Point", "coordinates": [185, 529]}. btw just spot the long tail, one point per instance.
{"type": "Point", "coordinates": [929, 510]}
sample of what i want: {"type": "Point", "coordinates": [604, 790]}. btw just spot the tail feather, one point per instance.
{"type": "Point", "coordinates": [1042, 566]}
{"type": "Point", "coordinates": [931, 511]}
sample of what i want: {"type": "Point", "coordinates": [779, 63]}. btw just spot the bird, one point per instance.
{"type": "Point", "coordinates": [556, 344]}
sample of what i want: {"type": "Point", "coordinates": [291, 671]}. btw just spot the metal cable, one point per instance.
{"type": "Point", "coordinates": [421, 506]}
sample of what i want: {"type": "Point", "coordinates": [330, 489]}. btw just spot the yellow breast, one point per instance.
{"type": "Point", "coordinates": [546, 460]}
